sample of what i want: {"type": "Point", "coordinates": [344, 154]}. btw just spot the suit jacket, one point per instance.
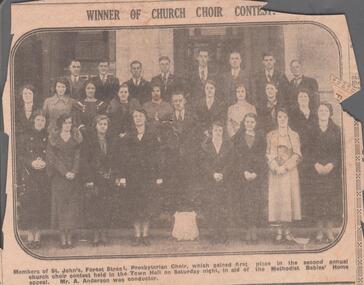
{"type": "Point", "coordinates": [196, 87]}
{"type": "Point", "coordinates": [142, 92]}
{"type": "Point", "coordinates": [306, 83]}
{"type": "Point", "coordinates": [278, 79]}
{"type": "Point", "coordinates": [106, 92]}
{"type": "Point", "coordinates": [229, 83]}
{"type": "Point", "coordinates": [206, 117]}
{"type": "Point", "coordinates": [76, 88]}
{"type": "Point", "coordinates": [166, 89]}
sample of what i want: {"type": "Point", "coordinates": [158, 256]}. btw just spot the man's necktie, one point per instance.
{"type": "Point", "coordinates": [203, 75]}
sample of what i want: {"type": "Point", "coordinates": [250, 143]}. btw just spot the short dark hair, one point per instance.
{"type": "Point", "coordinates": [217, 123]}
{"type": "Point", "coordinates": [210, 81]}
{"type": "Point", "coordinates": [73, 60]}
{"type": "Point", "coordinates": [267, 53]}
{"type": "Point", "coordinates": [295, 60]}
{"type": "Point", "coordinates": [123, 85]}
{"type": "Point", "coordinates": [39, 112]}
{"type": "Point", "coordinates": [103, 60]}
{"type": "Point", "coordinates": [155, 84]}
{"type": "Point", "coordinates": [282, 110]}
{"type": "Point", "coordinates": [178, 92]}
{"type": "Point", "coordinates": [328, 106]}
{"type": "Point", "coordinates": [27, 86]}
{"type": "Point", "coordinates": [206, 49]}
{"type": "Point", "coordinates": [136, 62]}
{"type": "Point", "coordinates": [62, 118]}
{"type": "Point", "coordinates": [64, 81]}
{"type": "Point", "coordinates": [164, 57]}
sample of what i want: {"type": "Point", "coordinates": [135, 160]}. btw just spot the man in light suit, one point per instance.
{"type": "Point", "coordinates": [107, 85]}
{"type": "Point", "coordinates": [269, 74]}
{"type": "Point", "coordinates": [302, 82]}
{"type": "Point", "coordinates": [234, 77]}
{"type": "Point", "coordinates": [166, 80]}
{"type": "Point", "coordinates": [139, 88]}
{"type": "Point", "coordinates": [75, 82]}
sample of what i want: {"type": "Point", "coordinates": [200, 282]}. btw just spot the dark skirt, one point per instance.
{"type": "Point", "coordinates": [65, 203]}
{"type": "Point", "coordinates": [35, 202]}
{"type": "Point", "coordinates": [215, 210]}
{"type": "Point", "coordinates": [326, 198]}
{"type": "Point", "coordinates": [141, 201]}
{"type": "Point", "coordinates": [250, 198]}
{"type": "Point", "coordinates": [98, 205]}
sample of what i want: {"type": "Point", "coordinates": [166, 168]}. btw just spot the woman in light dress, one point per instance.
{"type": "Point", "coordinates": [283, 156]}
{"type": "Point", "coordinates": [237, 111]}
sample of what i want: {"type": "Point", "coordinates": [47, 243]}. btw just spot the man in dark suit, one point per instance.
{"type": "Point", "coordinates": [75, 82]}
{"type": "Point", "coordinates": [139, 88]}
{"type": "Point", "coordinates": [234, 77]}
{"type": "Point", "coordinates": [302, 82]}
{"type": "Point", "coordinates": [180, 147]}
{"type": "Point", "coordinates": [199, 76]}
{"type": "Point", "coordinates": [107, 85]}
{"type": "Point", "coordinates": [269, 74]}
{"type": "Point", "coordinates": [166, 80]}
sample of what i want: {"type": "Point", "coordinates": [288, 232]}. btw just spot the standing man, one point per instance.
{"type": "Point", "coordinates": [76, 83]}
{"type": "Point", "coordinates": [234, 77]}
{"type": "Point", "coordinates": [302, 82]}
{"type": "Point", "coordinates": [139, 88]}
{"type": "Point", "coordinates": [107, 85]}
{"type": "Point", "coordinates": [200, 75]}
{"type": "Point", "coordinates": [166, 80]}
{"type": "Point", "coordinates": [269, 74]}
{"type": "Point", "coordinates": [180, 152]}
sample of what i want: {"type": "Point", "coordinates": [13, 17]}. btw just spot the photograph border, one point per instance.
{"type": "Point", "coordinates": [176, 26]}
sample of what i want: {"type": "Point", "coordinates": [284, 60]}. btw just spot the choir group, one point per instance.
{"type": "Point", "coordinates": [236, 148]}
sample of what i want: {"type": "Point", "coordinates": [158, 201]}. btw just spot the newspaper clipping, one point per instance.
{"type": "Point", "coordinates": [193, 142]}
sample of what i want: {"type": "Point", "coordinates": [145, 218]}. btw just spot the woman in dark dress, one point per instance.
{"type": "Point", "coordinates": [325, 164]}
{"type": "Point", "coordinates": [88, 107]}
{"type": "Point", "coordinates": [63, 158]}
{"type": "Point", "coordinates": [215, 166]}
{"type": "Point", "coordinates": [267, 113]}
{"type": "Point", "coordinates": [35, 201]}
{"type": "Point", "coordinates": [302, 122]}
{"type": "Point", "coordinates": [137, 168]}
{"type": "Point", "coordinates": [25, 109]}
{"type": "Point", "coordinates": [250, 147]}
{"type": "Point", "coordinates": [210, 108]}
{"type": "Point", "coordinates": [97, 157]}
{"type": "Point", "coordinates": [120, 111]}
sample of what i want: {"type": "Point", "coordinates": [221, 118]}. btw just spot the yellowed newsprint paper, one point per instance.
{"type": "Point", "coordinates": [180, 142]}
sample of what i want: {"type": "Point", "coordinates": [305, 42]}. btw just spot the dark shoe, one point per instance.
{"type": "Point", "coordinates": [64, 246]}
{"type": "Point", "coordinates": [146, 241]}
{"type": "Point", "coordinates": [137, 241]}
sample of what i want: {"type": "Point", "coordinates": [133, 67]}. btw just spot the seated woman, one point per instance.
{"type": "Point", "coordinates": [250, 172]}
{"type": "Point", "coordinates": [97, 159]}
{"type": "Point", "coordinates": [120, 111]}
{"type": "Point", "coordinates": [88, 107]}
{"type": "Point", "coordinates": [35, 202]}
{"type": "Point", "coordinates": [237, 112]}
{"type": "Point", "coordinates": [137, 168]}
{"type": "Point", "coordinates": [267, 113]}
{"type": "Point", "coordinates": [326, 180]}
{"type": "Point", "coordinates": [63, 159]}
{"type": "Point", "coordinates": [210, 108]}
{"type": "Point", "coordinates": [215, 165]}
{"type": "Point", "coordinates": [283, 156]}
{"type": "Point", "coordinates": [59, 103]}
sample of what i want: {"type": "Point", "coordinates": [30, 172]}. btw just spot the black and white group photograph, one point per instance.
{"type": "Point", "coordinates": [177, 140]}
